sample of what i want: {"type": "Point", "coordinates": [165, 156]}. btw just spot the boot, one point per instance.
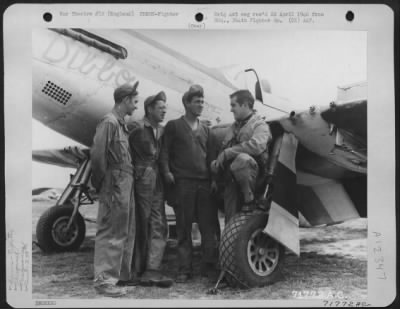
{"type": "Point", "coordinates": [131, 282]}
{"type": "Point", "coordinates": [110, 290]}
{"type": "Point", "coordinates": [154, 277]}
{"type": "Point", "coordinates": [183, 277]}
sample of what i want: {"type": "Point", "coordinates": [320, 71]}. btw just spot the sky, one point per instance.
{"type": "Point", "coordinates": [304, 67]}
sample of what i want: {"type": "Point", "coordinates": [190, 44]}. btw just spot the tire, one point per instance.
{"type": "Point", "coordinates": [250, 257]}
{"type": "Point", "coordinates": [50, 230]}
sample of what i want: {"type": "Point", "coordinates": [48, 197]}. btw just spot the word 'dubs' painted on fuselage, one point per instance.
{"type": "Point", "coordinates": [87, 60]}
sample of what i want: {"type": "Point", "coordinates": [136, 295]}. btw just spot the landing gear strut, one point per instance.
{"type": "Point", "coordinates": [249, 257]}
{"type": "Point", "coordinates": [62, 227]}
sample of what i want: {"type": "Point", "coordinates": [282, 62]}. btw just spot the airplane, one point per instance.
{"type": "Point", "coordinates": [318, 161]}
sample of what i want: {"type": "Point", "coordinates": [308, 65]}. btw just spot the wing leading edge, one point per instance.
{"type": "Point", "coordinates": [68, 157]}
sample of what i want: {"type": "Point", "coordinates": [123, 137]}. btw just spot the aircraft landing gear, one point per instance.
{"type": "Point", "coordinates": [248, 255]}
{"type": "Point", "coordinates": [53, 232]}
{"type": "Point", "coordinates": [62, 227]}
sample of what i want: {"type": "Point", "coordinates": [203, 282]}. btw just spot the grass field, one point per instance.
{"type": "Point", "coordinates": [333, 261]}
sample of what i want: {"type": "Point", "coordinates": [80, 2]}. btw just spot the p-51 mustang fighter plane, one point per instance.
{"type": "Point", "coordinates": [318, 162]}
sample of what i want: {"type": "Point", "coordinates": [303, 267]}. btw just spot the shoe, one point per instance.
{"type": "Point", "coordinates": [154, 277]}
{"type": "Point", "coordinates": [183, 278]}
{"type": "Point", "coordinates": [131, 282]}
{"type": "Point", "coordinates": [110, 290]}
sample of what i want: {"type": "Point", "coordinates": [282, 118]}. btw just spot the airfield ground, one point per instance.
{"type": "Point", "coordinates": [333, 263]}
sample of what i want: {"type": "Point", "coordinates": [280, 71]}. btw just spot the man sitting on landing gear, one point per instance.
{"type": "Point", "coordinates": [244, 151]}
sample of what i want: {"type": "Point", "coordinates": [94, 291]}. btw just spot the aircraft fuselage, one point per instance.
{"type": "Point", "coordinates": [73, 82]}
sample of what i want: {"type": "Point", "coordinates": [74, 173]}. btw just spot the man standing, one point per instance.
{"type": "Point", "coordinates": [152, 229]}
{"type": "Point", "coordinates": [244, 152]}
{"type": "Point", "coordinates": [112, 176]}
{"type": "Point", "coordinates": [185, 165]}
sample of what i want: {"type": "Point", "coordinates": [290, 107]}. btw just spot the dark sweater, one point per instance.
{"type": "Point", "coordinates": [185, 153]}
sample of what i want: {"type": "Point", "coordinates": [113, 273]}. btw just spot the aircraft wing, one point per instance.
{"type": "Point", "coordinates": [322, 172]}
{"type": "Point", "coordinates": [333, 138]}
{"type": "Point", "coordinates": [67, 157]}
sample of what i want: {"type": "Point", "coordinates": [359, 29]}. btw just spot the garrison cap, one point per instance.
{"type": "Point", "coordinates": [153, 98]}
{"type": "Point", "coordinates": [125, 90]}
{"type": "Point", "coordinates": [194, 90]}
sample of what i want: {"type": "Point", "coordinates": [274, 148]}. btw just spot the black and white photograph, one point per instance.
{"type": "Point", "coordinates": [209, 165]}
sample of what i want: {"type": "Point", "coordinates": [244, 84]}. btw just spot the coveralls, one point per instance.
{"type": "Point", "coordinates": [152, 229]}
{"type": "Point", "coordinates": [185, 154]}
{"type": "Point", "coordinates": [112, 176]}
{"type": "Point", "coordinates": [245, 150]}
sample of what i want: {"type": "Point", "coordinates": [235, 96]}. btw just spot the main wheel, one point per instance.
{"type": "Point", "coordinates": [250, 257]}
{"type": "Point", "coordinates": [52, 233]}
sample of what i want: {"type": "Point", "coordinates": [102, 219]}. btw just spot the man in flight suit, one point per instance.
{"type": "Point", "coordinates": [112, 176]}
{"type": "Point", "coordinates": [185, 161]}
{"type": "Point", "coordinates": [243, 153]}
{"type": "Point", "coordinates": [151, 228]}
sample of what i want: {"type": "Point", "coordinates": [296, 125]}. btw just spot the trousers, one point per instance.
{"type": "Point", "coordinates": [152, 228]}
{"type": "Point", "coordinates": [115, 236]}
{"type": "Point", "coordinates": [240, 182]}
{"type": "Point", "coordinates": [194, 203]}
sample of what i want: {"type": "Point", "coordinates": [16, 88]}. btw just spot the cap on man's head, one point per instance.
{"type": "Point", "coordinates": [194, 90]}
{"type": "Point", "coordinates": [124, 91]}
{"type": "Point", "coordinates": [153, 98]}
